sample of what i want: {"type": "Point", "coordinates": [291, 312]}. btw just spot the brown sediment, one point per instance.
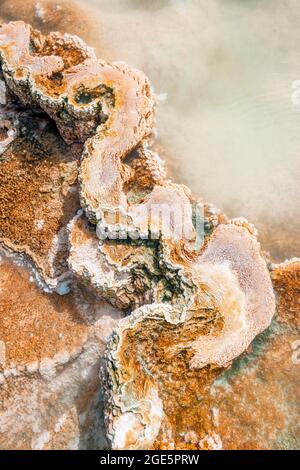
{"type": "Point", "coordinates": [38, 194]}
{"type": "Point", "coordinates": [118, 272]}
{"type": "Point", "coordinates": [34, 325]}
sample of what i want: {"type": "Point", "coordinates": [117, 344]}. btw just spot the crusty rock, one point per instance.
{"type": "Point", "coordinates": [138, 201]}
{"type": "Point", "coordinates": [129, 124]}
{"type": "Point", "coordinates": [229, 300]}
{"type": "Point", "coordinates": [35, 69]}
{"type": "Point", "coordinates": [246, 303]}
{"type": "Point", "coordinates": [38, 192]}
{"type": "Point", "coordinates": [85, 97]}
{"type": "Point", "coordinates": [51, 350]}
{"type": "Point", "coordinates": [120, 272]}
{"type": "Point", "coordinates": [286, 281]}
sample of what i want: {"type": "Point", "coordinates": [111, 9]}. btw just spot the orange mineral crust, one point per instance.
{"type": "Point", "coordinates": [34, 325]}
{"type": "Point", "coordinates": [38, 193]}
{"type": "Point", "coordinates": [286, 281]}
{"type": "Point", "coordinates": [50, 349]}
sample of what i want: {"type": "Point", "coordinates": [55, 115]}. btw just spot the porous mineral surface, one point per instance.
{"type": "Point", "coordinates": [50, 352]}
{"type": "Point", "coordinates": [76, 133]}
{"type": "Point", "coordinates": [38, 192]}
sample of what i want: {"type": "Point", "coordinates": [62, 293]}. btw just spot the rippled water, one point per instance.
{"type": "Point", "coordinates": [229, 123]}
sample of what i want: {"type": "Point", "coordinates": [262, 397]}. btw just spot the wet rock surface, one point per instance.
{"type": "Point", "coordinates": [76, 131]}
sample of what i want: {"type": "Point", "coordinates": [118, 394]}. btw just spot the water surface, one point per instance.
{"type": "Point", "coordinates": [229, 123]}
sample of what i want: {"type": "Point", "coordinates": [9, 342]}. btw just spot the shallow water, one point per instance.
{"type": "Point", "coordinates": [229, 122]}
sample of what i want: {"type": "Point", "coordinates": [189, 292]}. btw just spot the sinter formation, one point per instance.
{"type": "Point", "coordinates": [189, 307]}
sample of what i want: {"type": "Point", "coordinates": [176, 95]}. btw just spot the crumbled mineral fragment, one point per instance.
{"type": "Point", "coordinates": [35, 70]}
{"type": "Point", "coordinates": [138, 201]}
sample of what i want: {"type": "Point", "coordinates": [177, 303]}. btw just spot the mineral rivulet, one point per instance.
{"type": "Point", "coordinates": [194, 287]}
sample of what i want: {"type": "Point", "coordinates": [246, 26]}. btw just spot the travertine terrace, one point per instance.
{"type": "Point", "coordinates": [79, 191]}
